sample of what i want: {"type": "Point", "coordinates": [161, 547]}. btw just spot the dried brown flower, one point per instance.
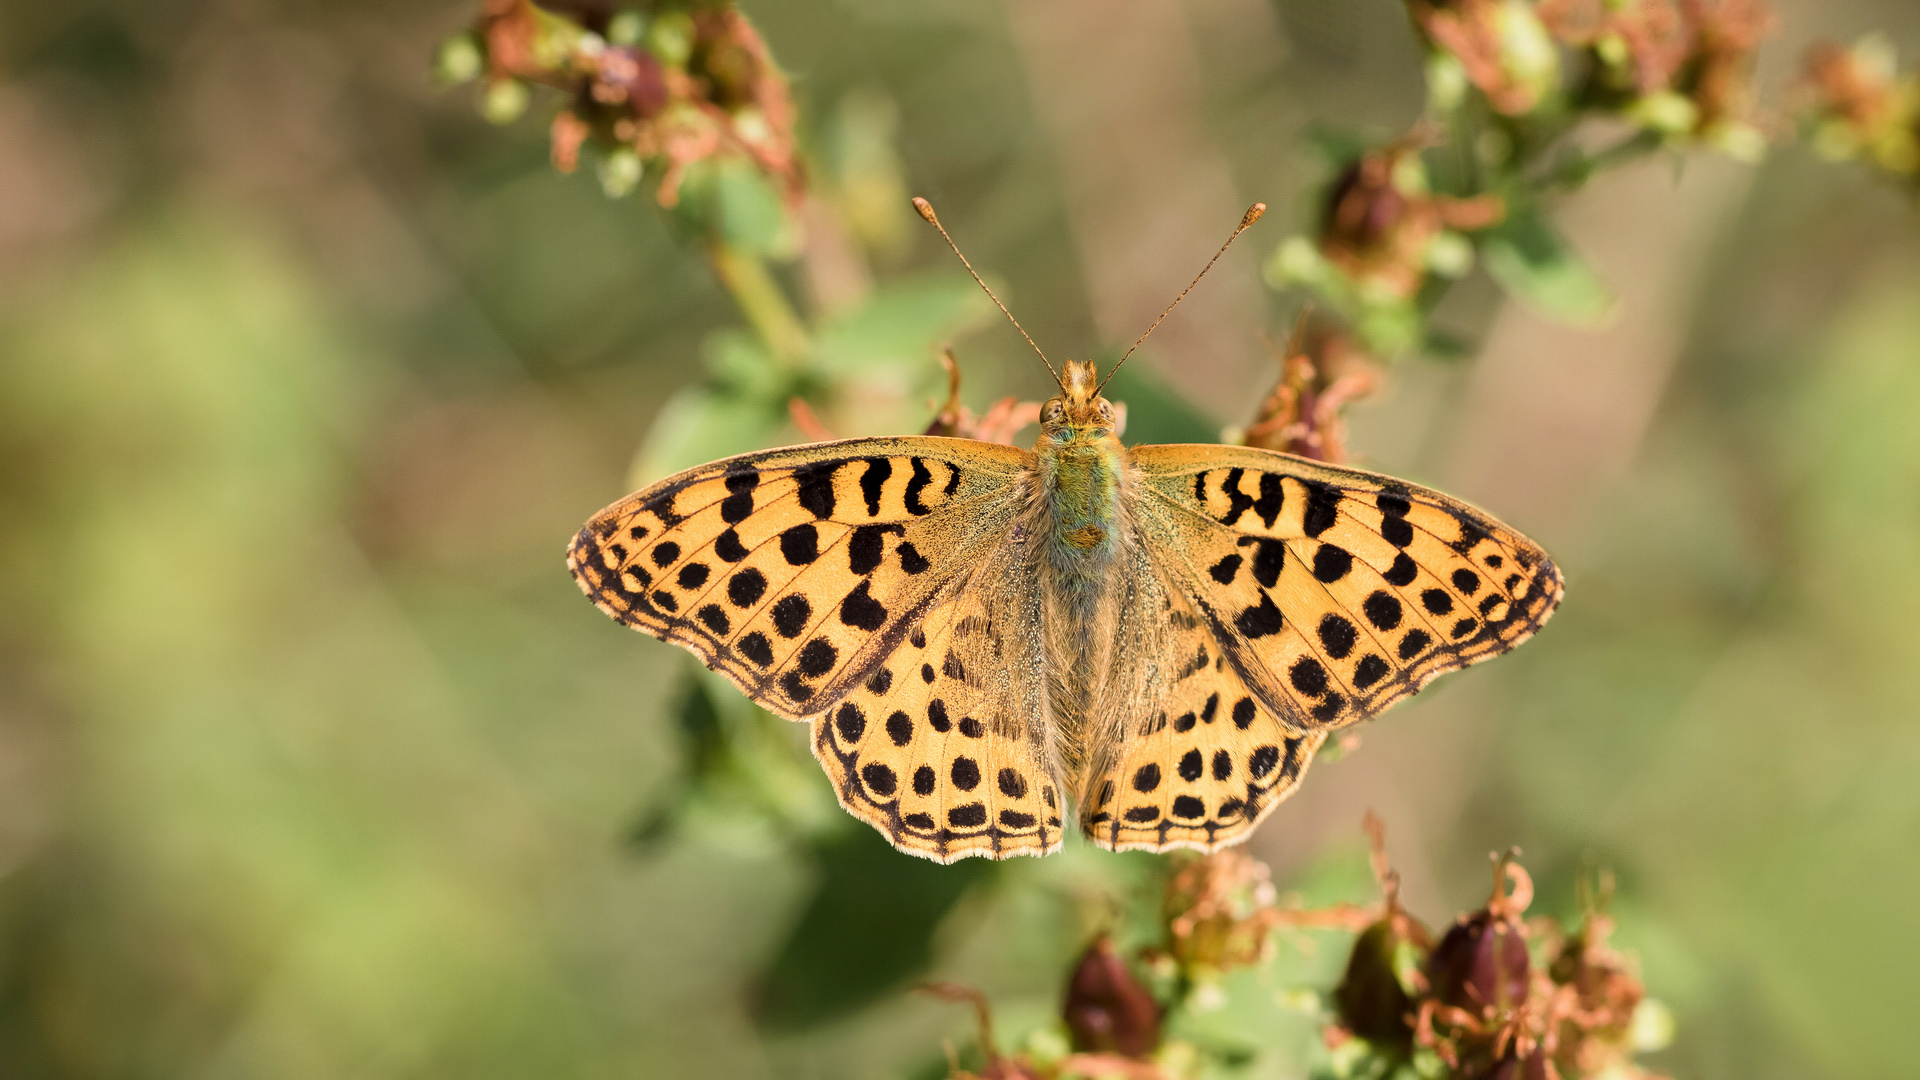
{"type": "Point", "coordinates": [1003, 420]}
{"type": "Point", "coordinates": [1380, 218]}
{"type": "Point", "coordinates": [1322, 371]}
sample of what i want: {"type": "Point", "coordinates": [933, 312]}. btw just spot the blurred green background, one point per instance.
{"type": "Point", "coordinates": [313, 762]}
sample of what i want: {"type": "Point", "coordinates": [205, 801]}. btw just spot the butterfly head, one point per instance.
{"type": "Point", "coordinates": [1079, 411]}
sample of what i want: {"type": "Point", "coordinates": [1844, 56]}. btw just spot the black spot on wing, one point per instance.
{"type": "Point", "coordinates": [1243, 713]}
{"type": "Point", "coordinates": [1402, 572]}
{"type": "Point", "coordinates": [817, 657]}
{"type": "Point", "coordinates": [899, 728]}
{"type": "Point", "coordinates": [729, 547]}
{"type": "Point", "coordinates": [746, 587]}
{"type": "Point", "coordinates": [800, 545]}
{"type": "Point", "coordinates": [757, 648]}
{"type": "Point", "coordinates": [1308, 676]}
{"type": "Point", "coordinates": [1268, 558]}
{"type": "Point", "coordinates": [1382, 609]}
{"type": "Point", "coordinates": [790, 614]}
{"type": "Point", "coordinates": [965, 773]}
{"type": "Point", "coordinates": [1262, 761]}
{"type": "Point", "coordinates": [1268, 504]}
{"type": "Point", "coordinates": [1414, 643]}
{"type": "Point", "coordinates": [1261, 621]}
{"type": "Point", "coordinates": [738, 505]}
{"type": "Point", "coordinates": [1337, 636]}
{"type": "Point", "coordinates": [917, 485]}
{"type": "Point", "coordinates": [872, 479]}
{"type": "Point", "coordinates": [867, 546]}
{"type": "Point", "coordinates": [816, 487]}
{"type": "Point", "coordinates": [1331, 563]}
{"type": "Point", "coordinates": [912, 561]}
{"type": "Point", "coordinates": [1224, 570]}
{"type": "Point", "coordinates": [1012, 784]}
{"type": "Point", "coordinates": [1323, 508]}
{"type": "Point", "coordinates": [1238, 502]}
{"type": "Point", "coordinates": [879, 779]}
{"type": "Point", "coordinates": [861, 611]}
{"type": "Point", "coordinates": [850, 722]}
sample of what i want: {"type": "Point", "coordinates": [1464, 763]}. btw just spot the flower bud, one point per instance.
{"type": "Point", "coordinates": [1107, 1009]}
{"type": "Point", "coordinates": [1371, 1002]}
{"type": "Point", "coordinates": [1481, 965]}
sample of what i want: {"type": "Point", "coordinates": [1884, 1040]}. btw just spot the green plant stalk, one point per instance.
{"type": "Point", "coordinates": [762, 301]}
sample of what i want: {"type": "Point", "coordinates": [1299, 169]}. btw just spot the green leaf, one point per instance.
{"type": "Point", "coordinates": [740, 363]}
{"type": "Point", "coordinates": [698, 425]}
{"type": "Point", "coordinates": [1156, 413]}
{"type": "Point", "coordinates": [752, 215]}
{"type": "Point", "coordinates": [899, 326]}
{"type": "Point", "coordinates": [868, 930]}
{"type": "Point", "coordinates": [1531, 260]}
{"type": "Point", "coordinates": [730, 201]}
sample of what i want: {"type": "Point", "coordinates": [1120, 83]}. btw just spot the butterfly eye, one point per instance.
{"type": "Point", "coordinates": [1054, 412]}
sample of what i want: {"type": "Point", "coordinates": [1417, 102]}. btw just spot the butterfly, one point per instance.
{"type": "Point", "coordinates": [986, 639]}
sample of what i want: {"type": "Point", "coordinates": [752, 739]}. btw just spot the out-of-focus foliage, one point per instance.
{"type": "Point", "coordinates": [313, 763]}
{"type": "Point", "coordinates": [1525, 101]}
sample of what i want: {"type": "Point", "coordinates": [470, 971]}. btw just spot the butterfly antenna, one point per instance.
{"type": "Point", "coordinates": [1246, 221]}
{"type": "Point", "coordinates": [926, 211]}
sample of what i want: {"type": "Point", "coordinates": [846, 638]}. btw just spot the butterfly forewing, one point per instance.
{"type": "Point", "coordinates": [1337, 592]}
{"type": "Point", "coordinates": [792, 571]}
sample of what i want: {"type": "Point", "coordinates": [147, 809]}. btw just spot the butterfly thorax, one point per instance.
{"type": "Point", "coordinates": [1081, 470]}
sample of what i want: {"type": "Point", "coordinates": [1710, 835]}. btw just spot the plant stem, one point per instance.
{"type": "Point", "coordinates": [1571, 174]}
{"type": "Point", "coordinates": [762, 301]}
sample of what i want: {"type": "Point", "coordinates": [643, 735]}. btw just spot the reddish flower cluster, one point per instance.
{"type": "Point", "coordinates": [663, 93]}
{"type": "Point", "coordinates": [1684, 66]}
{"type": "Point", "coordinates": [1858, 106]}
{"type": "Point", "coordinates": [1680, 67]}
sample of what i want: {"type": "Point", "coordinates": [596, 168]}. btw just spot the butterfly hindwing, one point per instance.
{"type": "Point", "coordinates": [944, 747]}
{"type": "Point", "coordinates": [1337, 592]}
{"type": "Point", "coordinates": [1200, 758]}
{"type": "Point", "coordinates": [792, 572]}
